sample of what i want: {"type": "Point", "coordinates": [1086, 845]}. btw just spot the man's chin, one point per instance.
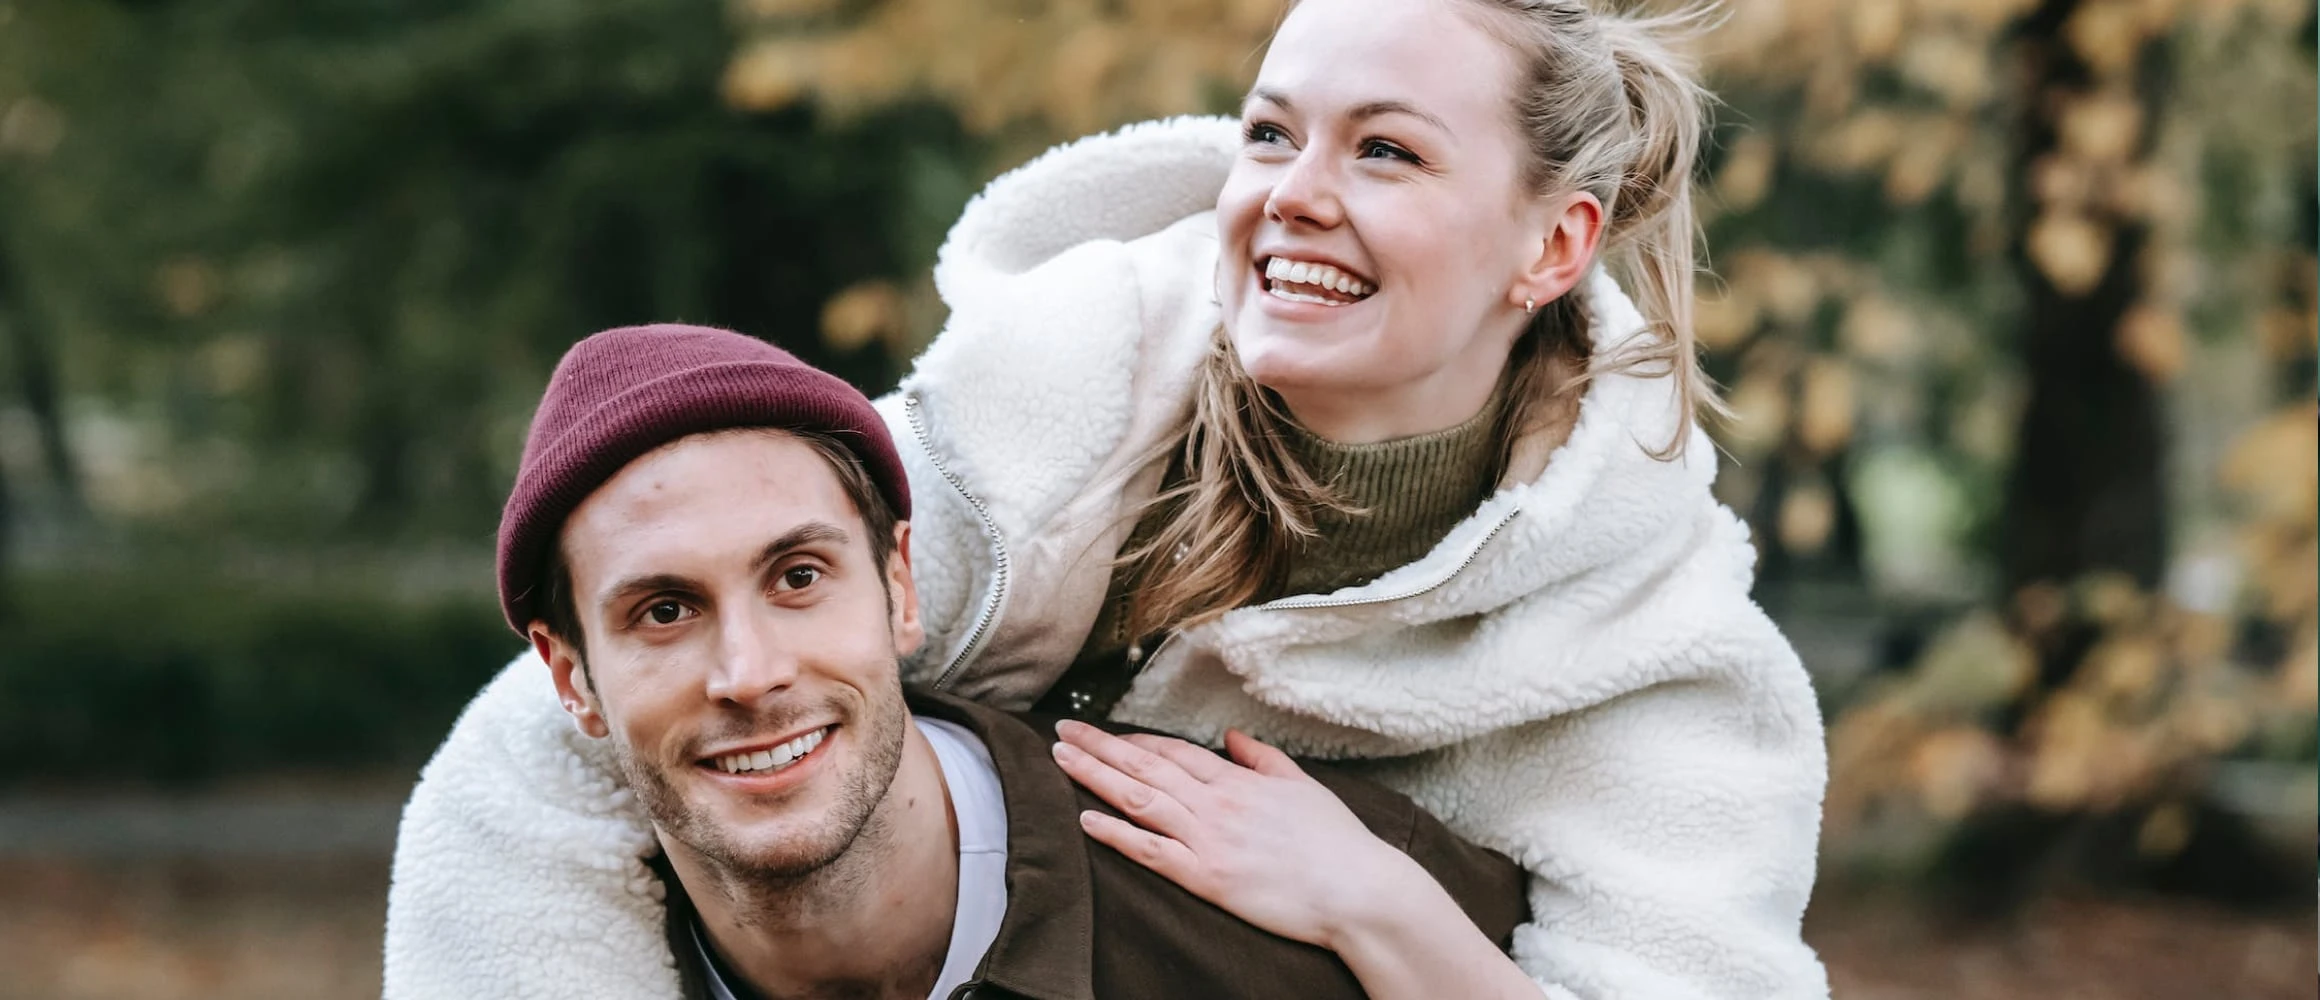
{"type": "Point", "coordinates": [777, 851]}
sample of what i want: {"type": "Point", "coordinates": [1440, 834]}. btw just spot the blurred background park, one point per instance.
{"type": "Point", "coordinates": [2014, 300]}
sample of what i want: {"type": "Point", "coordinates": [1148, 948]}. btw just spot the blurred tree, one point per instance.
{"type": "Point", "coordinates": [1972, 257]}
{"type": "Point", "coordinates": [2085, 492]}
{"type": "Point", "coordinates": [316, 260]}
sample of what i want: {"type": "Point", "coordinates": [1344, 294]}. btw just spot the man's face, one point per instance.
{"type": "Point", "coordinates": [743, 648]}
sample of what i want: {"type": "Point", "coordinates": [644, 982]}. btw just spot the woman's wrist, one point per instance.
{"type": "Point", "coordinates": [1392, 898]}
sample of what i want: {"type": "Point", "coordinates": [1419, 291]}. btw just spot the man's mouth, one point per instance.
{"type": "Point", "coordinates": [771, 759]}
{"type": "Point", "coordinates": [1314, 282]}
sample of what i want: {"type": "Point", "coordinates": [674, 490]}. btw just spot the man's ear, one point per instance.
{"type": "Point", "coordinates": [1575, 231]}
{"type": "Point", "coordinates": [902, 595]}
{"type": "Point", "coordinates": [571, 676]}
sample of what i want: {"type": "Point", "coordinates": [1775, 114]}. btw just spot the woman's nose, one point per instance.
{"type": "Point", "coordinates": [1306, 193]}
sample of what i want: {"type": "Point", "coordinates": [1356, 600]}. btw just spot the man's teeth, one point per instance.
{"type": "Point", "coordinates": [771, 760]}
{"type": "Point", "coordinates": [1317, 275]}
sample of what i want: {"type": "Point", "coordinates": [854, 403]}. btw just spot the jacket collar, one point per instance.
{"type": "Point", "coordinates": [1045, 949]}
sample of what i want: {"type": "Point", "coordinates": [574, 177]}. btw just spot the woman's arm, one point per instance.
{"type": "Point", "coordinates": [1266, 841]}
{"type": "Point", "coordinates": [1670, 833]}
{"type": "Point", "coordinates": [519, 866]}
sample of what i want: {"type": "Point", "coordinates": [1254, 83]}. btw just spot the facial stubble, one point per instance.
{"type": "Point", "coordinates": [808, 858]}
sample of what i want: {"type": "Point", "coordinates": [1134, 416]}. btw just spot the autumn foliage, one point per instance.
{"type": "Point", "coordinates": [1948, 237]}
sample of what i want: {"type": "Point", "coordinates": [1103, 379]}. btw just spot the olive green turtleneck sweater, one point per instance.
{"type": "Point", "coordinates": [1401, 496]}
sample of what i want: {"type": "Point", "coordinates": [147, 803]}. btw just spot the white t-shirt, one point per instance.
{"type": "Point", "coordinates": [973, 784]}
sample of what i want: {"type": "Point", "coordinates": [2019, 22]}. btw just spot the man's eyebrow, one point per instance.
{"type": "Point", "coordinates": [809, 533]}
{"type": "Point", "coordinates": [637, 586]}
{"type": "Point", "coordinates": [1359, 112]}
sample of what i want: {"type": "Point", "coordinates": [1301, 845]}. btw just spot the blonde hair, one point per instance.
{"type": "Point", "coordinates": [1606, 104]}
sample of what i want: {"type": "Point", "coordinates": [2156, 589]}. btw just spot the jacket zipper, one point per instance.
{"type": "Point", "coordinates": [1317, 601]}
{"type": "Point", "coordinates": [1288, 603]}
{"type": "Point", "coordinates": [997, 593]}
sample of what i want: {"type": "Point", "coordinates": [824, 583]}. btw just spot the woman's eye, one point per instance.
{"type": "Point", "coordinates": [1376, 148]}
{"type": "Point", "coordinates": [665, 613]}
{"type": "Point", "coordinates": [800, 577]}
{"type": "Point", "coordinates": [1261, 132]}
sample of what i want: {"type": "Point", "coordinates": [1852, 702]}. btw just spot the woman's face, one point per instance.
{"type": "Point", "coordinates": [1374, 234]}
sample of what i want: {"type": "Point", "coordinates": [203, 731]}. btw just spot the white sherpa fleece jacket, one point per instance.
{"type": "Point", "coordinates": [1574, 676]}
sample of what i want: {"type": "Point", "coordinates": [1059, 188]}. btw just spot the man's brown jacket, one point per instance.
{"type": "Point", "coordinates": [1084, 922]}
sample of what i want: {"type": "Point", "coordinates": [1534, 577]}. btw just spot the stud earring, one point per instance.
{"type": "Point", "coordinates": [1530, 307]}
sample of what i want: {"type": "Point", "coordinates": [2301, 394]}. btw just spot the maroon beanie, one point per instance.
{"type": "Point", "coordinates": [622, 393]}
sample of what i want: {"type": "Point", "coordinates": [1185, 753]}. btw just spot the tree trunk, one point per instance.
{"type": "Point", "coordinates": [37, 384]}
{"type": "Point", "coordinates": [2086, 493]}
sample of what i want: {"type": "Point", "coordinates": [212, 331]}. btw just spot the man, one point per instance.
{"type": "Point", "coordinates": [708, 546]}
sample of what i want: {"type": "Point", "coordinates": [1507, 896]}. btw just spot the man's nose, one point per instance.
{"type": "Point", "coordinates": [753, 660]}
{"type": "Point", "coordinates": [1306, 192]}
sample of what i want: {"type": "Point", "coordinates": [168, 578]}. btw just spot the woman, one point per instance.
{"type": "Point", "coordinates": [1372, 462]}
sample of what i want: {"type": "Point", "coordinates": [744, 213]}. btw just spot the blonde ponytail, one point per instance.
{"type": "Point", "coordinates": [1654, 233]}
{"type": "Point", "coordinates": [1610, 104]}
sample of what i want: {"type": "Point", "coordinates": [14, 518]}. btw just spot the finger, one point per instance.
{"type": "Point", "coordinates": [1259, 756]}
{"type": "Point", "coordinates": [1149, 806]}
{"type": "Point", "coordinates": [1132, 760]}
{"type": "Point", "coordinates": [1200, 762]}
{"type": "Point", "coordinates": [1168, 858]}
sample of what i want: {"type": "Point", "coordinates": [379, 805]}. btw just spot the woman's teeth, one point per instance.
{"type": "Point", "coordinates": [1280, 273]}
{"type": "Point", "coordinates": [771, 760]}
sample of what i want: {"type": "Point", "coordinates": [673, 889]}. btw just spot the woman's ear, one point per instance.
{"type": "Point", "coordinates": [1573, 232]}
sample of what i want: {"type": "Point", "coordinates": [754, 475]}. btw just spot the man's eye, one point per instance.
{"type": "Point", "coordinates": [799, 577]}
{"type": "Point", "coordinates": [665, 613]}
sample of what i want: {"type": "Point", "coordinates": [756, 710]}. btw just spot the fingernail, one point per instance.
{"type": "Point", "coordinates": [1065, 751]}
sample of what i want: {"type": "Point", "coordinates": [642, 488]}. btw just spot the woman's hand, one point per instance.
{"type": "Point", "coordinates": [1259, 838]}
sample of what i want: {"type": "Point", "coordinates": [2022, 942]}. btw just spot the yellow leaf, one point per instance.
{"type": "Point", "coordinates": [1875, 329]}
{"type": "Point", "coordinates": [1877, 26]}
{"type": "Point", "coordinates": [1746, 173]}
{"type": "Point", "coordinates": [2275, 465]}
{"type": "Point", "coordinates": [769, 74]}
{"type": "Point", "coordinates": [1865, 140]}
{"type": "Point", "coordinates": [1953, 770]}
{"type": "Point", "coordinates": [2289, 334]}
{"type": "Point", "coordinates": [2062, 183]}
{"type": "Point", "coordinates": [1788, 289]}
{"type": "Point", "coordinates": [2297, 688]}
{"type": "Point", "coordinates": [1825, 417]}
{"type": "Point", "coordinates": [862, 314]}
{"type": "Point", "coordinates": [1807, 514]}
{"type": "Point", "coordinates": [1922, 163]}
{"type": "Point", "coordinates": [1759, 414]}
{"type": "Point", "coordinates": [2152, 341]}
{"type": "Point", "coordinates": [1950, 66]}
{"type": "Point", "coordinates": [2153, 193]}
{"type": "Point", "coordinates": [2101, 127]}
{"type": "Point", "coordinates": [2107, 34]}
{"type": "Point", "coordinates": [2071, 250]}
{"type": "Point", "coordinates": [2111, 599]}
{"type": "Point", "coordinates": [2068, 732]}
{"type": "Point", "coordinates": [1722, 318]}
{"type": "Point", "coordinates": [2125, 670]}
